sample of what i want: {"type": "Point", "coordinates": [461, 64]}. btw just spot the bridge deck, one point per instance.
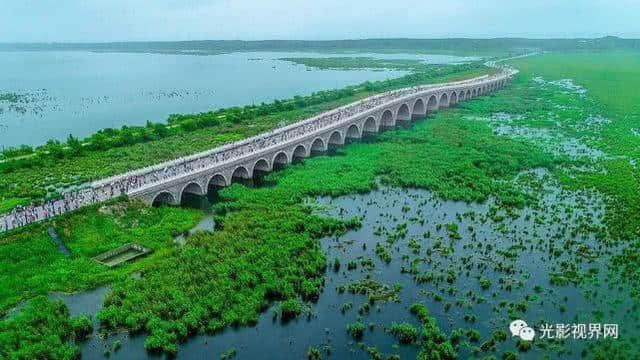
{"type": "Point", "coordinates": [167, 181]}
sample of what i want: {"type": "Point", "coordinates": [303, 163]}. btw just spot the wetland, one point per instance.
{"type": "Point", "coordinates": [421, 242]}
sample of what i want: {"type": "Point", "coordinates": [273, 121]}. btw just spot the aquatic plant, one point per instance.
{"type": "Point", "coordinates": [82, 326]}
{"type": "Point", "coordinates": [485, 283]}
{"type": "Point", "coordinates": [290, 309]}
{"type": "Point", "coordinates": [356, 330]}
{"type": "Point", "coordinates": [20, 339]}
{"type": "Point", "coordinates": [404, 332]}
{"type": "Point", "coordinates": [313, 353]}
{"type": "Point", "coordinates": [435, 345]}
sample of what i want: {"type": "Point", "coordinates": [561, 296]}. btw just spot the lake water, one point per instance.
{"type": "Point", "coordinates": [74, 92]}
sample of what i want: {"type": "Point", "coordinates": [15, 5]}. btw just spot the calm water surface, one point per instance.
{"type": "Point", "coordinates": [74, 92]}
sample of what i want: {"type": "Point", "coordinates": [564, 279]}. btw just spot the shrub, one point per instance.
{"type": "Point", "coordinates": [404, 332]}
{"type": "Point", "coordinates": [290, 309]}
{"type": "Point", "coordinates": [356, 330]}
{"type": "Point", "coordinates": [82, 327]}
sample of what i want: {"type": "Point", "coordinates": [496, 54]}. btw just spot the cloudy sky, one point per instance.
{"type": "Point", "coordinates": [124, 20]}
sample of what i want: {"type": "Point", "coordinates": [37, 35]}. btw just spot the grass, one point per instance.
{"type": "Point", "coordinates": [32, 265]}
{"type": "Point", "coordinates": [42, 331]}
{"type": "Point", "coordinates": [611, 80]}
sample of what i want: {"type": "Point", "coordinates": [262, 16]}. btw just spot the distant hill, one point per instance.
{"type": "Point", "coordinates": [226, 46]}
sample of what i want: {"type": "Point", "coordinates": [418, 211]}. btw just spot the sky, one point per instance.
{"type": "Point", "coordinates": [140, 20]}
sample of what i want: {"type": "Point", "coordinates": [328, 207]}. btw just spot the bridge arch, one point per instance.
{"type": "Point", "coordinates": [318, 146]}
{"type": "Point", "coordinates": [461, 96]}
{"type": "Point", "coordinates": [403, 113]}
{"type": "Point", "coordinates": [217, 180]}
{"type": "Point", "coordinates": [387, 119]}
{"type": "Point", "coordinates": [240, 173]}
{"type": "Point", "coordinates": [444, 100]}
{"type": "Point", "coordinates": [261, 166]}
{"type": "Point", "coordinates": [453, 98]}
{"type": "Point", "coordinates": [336, 139]}
{"type": "Point", "coordinates": [280, 160]}
{"type": "Point", "coordinates": [473, 92]}
{"type": "Point", "coordinates": [419, 108]}
{"type": "Point", "coordinates": [467, 96]}
{"type": "Point", "coordinates": [370, 125]}
{"type": "Point", "coordinates": [300, 152]}
{"type": "Point", "coordinates": [164, 198]}
{"type": "Point", "coordinates": [192, 188]}
{"type": "Point", "coordinates": [353, 132]}
{"type": "Point", "coordinates": [432, 104]}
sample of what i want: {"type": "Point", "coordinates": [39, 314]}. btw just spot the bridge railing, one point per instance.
{"type": "Point", "coordinates": [160, 174]}
{"type": "Point", "coordinates": [307, 127]}
{"type": "Point", "coordinates": [224, 152]}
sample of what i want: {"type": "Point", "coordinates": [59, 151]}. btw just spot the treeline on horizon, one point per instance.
{"type": "Point", "coordinates": [223, 46]}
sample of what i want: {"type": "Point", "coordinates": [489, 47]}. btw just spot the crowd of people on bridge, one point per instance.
{"type": "Point", "coordinates": [136, 180]}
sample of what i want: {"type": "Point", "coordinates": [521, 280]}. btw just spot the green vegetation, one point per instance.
{"type": "Point", "coordinates": [10, 97]}
{"type": "Point", "coordinates": [611, 80]}
{"type": "Point", "coordinates": [434, 343]}
{"type": "Point", "coordinates": [290, 309]}
{"type": "Point", "coordinates": [42, 331]}
{"type": "Point", "coordinates": [353, 63]}
{"type": "Point", "coordinates": [255, 260]}
{"type": "Point", "coordinates": [404, 332]}
{"type": "Point", "coordinates": [31, 264]}
{"type": "Point", "coordinates": [356, 330]}
{"type": "Point", "coordinates": [313, 353]}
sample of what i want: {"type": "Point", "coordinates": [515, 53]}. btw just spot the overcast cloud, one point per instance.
{"type": "Point", "coordinates": [125, 20]}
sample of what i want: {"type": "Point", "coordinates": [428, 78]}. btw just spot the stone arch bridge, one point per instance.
{"type": "Point", "coordinates": [248, 158]}
{"type": "Point", "coordinates": [169, 181]}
